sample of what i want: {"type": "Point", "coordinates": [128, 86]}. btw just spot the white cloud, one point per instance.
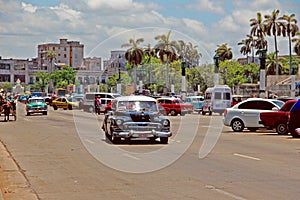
{"type": "Point", "coordinates": [28, 7]}
{"type": "Point", "coordinates": [208, 6]}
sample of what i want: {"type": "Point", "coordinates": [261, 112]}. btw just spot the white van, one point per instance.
{"type": "Point", "coordinates": [217, 99]}
{"type": "Point", "coordinates": [89, 98]}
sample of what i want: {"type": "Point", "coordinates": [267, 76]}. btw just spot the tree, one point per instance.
{"type": "Point", "coordinates": [271, 64]}
{"type": "Point", "coordinates": [274, 27]}
{"type": "Point", "coordinates": [50, 56]}
{"type": "Point", "coordinates": [248, 46]}
{"type": "Point", "coordinates": [224, 52]}
{"type": "Point", "coordinates": [291, 30]}
{"type": "Point", "coordinates": [166, 50]}
{"type": "Point", "coordinates": [297, 45]}
{"type": "Point", "coordinates": [134, 55]}
{"type": "Point", "coordinates": [43, 80]}
{"type": "Point", "coordinates": [258, 29]}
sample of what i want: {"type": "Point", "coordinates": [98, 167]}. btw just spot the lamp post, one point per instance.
{"type": "Point", "coordinates": [183, 83]}
{"type": "Point", "coordinates": [216, 78]}
{"type": "Point", "coordinates": [262, 74]}
{"type": "Point", "coordinates": [119, 86]}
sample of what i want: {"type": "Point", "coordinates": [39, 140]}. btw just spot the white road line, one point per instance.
{"type": "Point", "coordinates": [90, 141]}
{"type": "Point", "coordinates": [131, 156]}
{"type": "Point", "coordinates": [225, 193]}
{"type": "Point", "coordinates": [245, 156]}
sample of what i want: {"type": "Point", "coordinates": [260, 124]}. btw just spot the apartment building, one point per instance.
{"type": "Point", "coordinates": [68, 53]}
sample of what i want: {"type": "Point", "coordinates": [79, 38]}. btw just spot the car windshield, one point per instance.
{"type": "Point", "coordinates": [137, 106]}
{"type": "Point", "coordinates": [36, 101]}
{"type": "Point", "coordinates": [279, 103]}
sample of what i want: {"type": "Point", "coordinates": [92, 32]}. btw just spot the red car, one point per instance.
{"type": "Point", "coordinates": [175, 106]}
{"type": "Point", "coordinates": [278, 119]}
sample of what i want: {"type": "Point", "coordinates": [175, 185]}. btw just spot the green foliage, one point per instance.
{"type": "Point", "coordinates": [232, 72]}
{"type": "Point", "coordinates": [62, 78]}
{"type": "Point", "coordinates": [6, 86]}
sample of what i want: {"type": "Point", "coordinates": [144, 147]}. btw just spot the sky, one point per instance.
{"type": "Point", "coordinates": [104, 25]}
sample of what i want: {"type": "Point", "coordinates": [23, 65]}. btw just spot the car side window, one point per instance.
{"type": "Point", "coordinates": [263, 105]}
{"type": "Point", "coordinates": [248, 105]}
{"type": "Point", "coordinates": [168, 101]}
{"type": "Point", "coordinates": [64, 100]}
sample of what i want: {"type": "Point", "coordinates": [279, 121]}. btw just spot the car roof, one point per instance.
{"type": "Point", "coordinates": [135, 98]}
{"type": "Point", "coordinates": [255, 99]}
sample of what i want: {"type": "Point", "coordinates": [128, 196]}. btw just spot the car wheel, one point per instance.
{"type": "Point", "coordinates": [70, 107]}
{"type": "Point", "coordinates": [91, 109]}
{"type": "Point", "coordinates": [28, 114]}
{"type": "Point", "coordinates": [209, 113]}
{"type": "Point", "coordinates": [237, 125]}
{"type": "Point", "coordinates": [44, 113]}
{"type": "Point", "coordinates": [173, 113]}
{"type": "Point", "coordinates": [55, 107]}
{"type": "Point", "coordinates": [182, 114]}
{"type": "Point", "coordinates": [281, 128]}
{"type": "Point", "coordinates": [164, 140]}
{"type": "Point", "coordinates": [115, 140]}
{"type": "Point", "coordinates": [203, 113]}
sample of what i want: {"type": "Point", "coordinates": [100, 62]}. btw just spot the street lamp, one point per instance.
{"type": "Point", "coordinates": [262, 74]}
{"type": "Point", "coordinates": [183, 85]}
{"type": "Point", "coordinates": [216, 78]}
{"type": "Point", "coordinates": [119, 86]}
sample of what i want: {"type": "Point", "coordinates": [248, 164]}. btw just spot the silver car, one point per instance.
{"type": "Point", "coordinates": [246, 114]}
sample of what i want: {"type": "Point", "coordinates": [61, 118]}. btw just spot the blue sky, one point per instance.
{"type": "Point", "coordinates": [103, 25]}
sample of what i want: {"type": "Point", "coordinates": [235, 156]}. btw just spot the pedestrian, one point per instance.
{"type": "Point", "coordinates": [97, 104]}
{"type": "Point", "coordinates": [6, 108]}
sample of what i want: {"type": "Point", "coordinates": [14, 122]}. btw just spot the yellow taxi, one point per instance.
{"type": "Point", "coordinates": [64, 102]}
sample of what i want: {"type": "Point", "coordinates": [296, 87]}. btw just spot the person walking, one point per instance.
{"type": "Point", "coordinates": [97, 104]}
{"type": "Point", "coordinates": [6, 108]}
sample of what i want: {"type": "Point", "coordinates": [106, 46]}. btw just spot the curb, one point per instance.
{"type": "Point", "coordinates": [13, 183]}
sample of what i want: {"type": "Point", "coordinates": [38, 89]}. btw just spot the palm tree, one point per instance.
{"type": "Point", "coordinates": [224, 52]}
{"type": "Point", "coordinates": [50, 56]}
{"type": "Point", "coordinates": [271, 64]}
{"type": "Point", "coordinates": [258, 29]}
{"type": "Point", "coordinates": [149, 52]}
{"type": "Point", "coordinates": [297, 45]}
{"type": "Point", "coordinates": [291, 30]}
{"type": "Point", "coordinates": [166, 51]}
{"type": "Point", "coordinates": [274, 27]}
{"type": "Point", "coordinates": [134, 55]}
{"type": "Point", "coordinates": [248, 46]}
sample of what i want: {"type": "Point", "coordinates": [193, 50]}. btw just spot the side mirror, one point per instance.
{"type": "Point", "coordinates": [275, 109]}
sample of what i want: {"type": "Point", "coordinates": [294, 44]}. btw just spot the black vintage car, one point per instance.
{"type": "Point", "coordinates": [136, 117]}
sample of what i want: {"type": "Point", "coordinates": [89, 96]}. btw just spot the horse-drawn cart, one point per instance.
{"type": "Point", "coordinates": [12, 110]}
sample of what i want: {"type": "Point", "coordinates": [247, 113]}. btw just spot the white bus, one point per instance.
{"type": "Point", "coordinates": [217, 99]}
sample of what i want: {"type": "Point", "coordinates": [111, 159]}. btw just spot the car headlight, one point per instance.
{"type": "Point", "coordinates": [119, 122]}
{"type": "Point", "coordinates": [166, 122]}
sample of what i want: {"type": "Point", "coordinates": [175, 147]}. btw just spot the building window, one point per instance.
{"type": "Point", "coordinates": [53, 48]}
{"type": "Point", "coordinates": [65, 55]}
{"type": "Point", "coordinates": [65, 49]}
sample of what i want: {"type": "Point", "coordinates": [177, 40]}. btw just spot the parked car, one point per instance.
{"type": "Point", "coordinates": [246, 113]}
{"type": "Point", "coordinates": [36, 105]}
{"type": "Point", "coordinates": [175, 106]}
{"type": "Point", "coordinates": [278, 119]}
{"type": "Point", "coordinates": [294, 120]}
{"type": "Point", "coordinates": [197, 101]}
{"type": "Point", "coordinates": [136, 117]}
{"type": "Point", "coordinates": [63, 102]}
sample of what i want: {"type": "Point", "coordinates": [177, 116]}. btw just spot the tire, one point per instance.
{"type": "Point", "coordinates": [28, 114]}
{"type": "Point", "coordinates": [203, 113]}
{"type": "Point", "coordinates": [210, 113]}
{"type": "Point", "coordinates": [70, 107]}
{"type": "Point", "coordinates": [237, 125]}
{"type": "Point", "coordinates": [173, 113]}
{"type": "Point", "coordinates": [44, 113]}
{"type": "Point", "coordinates": [91, 109]}
{"type": "Point", "coordinates": [55, 107]}
{"type": "Point", "coordinates": [164, 140]}
{"type": "Point", "coordinates": [182, 114]}
{"type": "Point", "coordinates": [115, 140]}
{"type": "Point", "coordinates": [281, 128]}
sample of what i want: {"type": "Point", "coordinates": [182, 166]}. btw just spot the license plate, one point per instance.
{"type": "Point", "coordinates": [143, 135]}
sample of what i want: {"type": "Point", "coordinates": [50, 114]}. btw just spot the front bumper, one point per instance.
{"type": "Point", "coordinates": [141, 134]}
{"type": "Point", "coordinates": [38, 110]}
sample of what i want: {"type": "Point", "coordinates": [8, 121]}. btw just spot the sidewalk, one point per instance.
{"type": "Point", "coordinates": [13, 183]}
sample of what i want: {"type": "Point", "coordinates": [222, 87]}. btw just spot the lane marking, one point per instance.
{"type": "Point", "coordinates": [245, 156]}
{"type": "Point", "coordinates": [89, 141]}
{"type": "Point", "coordinates": [131, 156]}
{"type": "Point", "coordinates": [211, 187]}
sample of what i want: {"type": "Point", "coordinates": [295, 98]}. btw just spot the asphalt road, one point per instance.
{"type": "Point", "coordinates": [65, 155]}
